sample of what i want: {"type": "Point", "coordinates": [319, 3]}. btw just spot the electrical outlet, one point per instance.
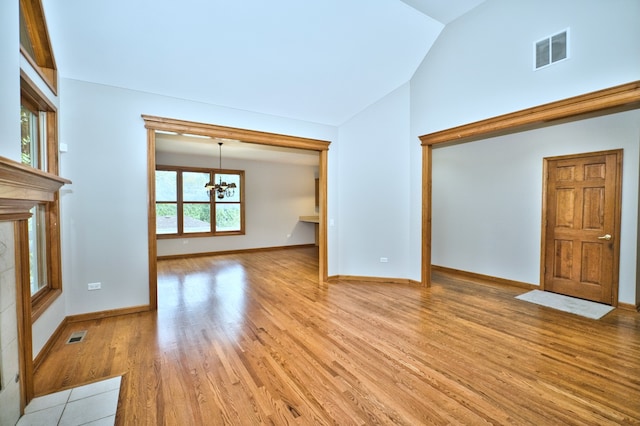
{"type": "Point", "coordinates": [94, 286]}
{"type": "Point", "coordinates": [383, 260]}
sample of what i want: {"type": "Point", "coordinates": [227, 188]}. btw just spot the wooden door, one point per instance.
{"type": "Point", "coordinates": [582, 232]}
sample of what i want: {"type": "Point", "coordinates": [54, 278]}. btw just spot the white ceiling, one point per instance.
{"type": "Point", "coordinates": [315, 60]}
{"type": "Point", "coordinates": [444, 11]}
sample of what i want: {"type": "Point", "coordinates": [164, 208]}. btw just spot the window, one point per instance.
{"type": "Point", "coordinates": [228, 210]}
{"type": "Point", "coordinates": [166, 202]}
{"type": "Point", "coordinates": [33, 142]}
{"type": "Point", "coordinates": [38, 147]}
{"type": "Point", "coordinates": [33, 153]}
{"type": "Point", "coordinates": [196, 207]}
{"type": "Point", "coordinates": [184, 207]}
{"type": "Point", "coordinates": [37, 224]}
{"type": "Point", "coordinates": [34, 42]}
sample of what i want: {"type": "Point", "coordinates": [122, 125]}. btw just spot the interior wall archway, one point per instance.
{"type": "Point", "coordinates": [153, 124]}
{"type": "Point", "coordinates": [607, 101]}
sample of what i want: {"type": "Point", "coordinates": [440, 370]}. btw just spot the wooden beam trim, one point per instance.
{"type": "Point", "coordinates": [427, 181]}
{"type": "Point", "coordinates": [323, 242]}
{"type": "Point", "coordinates": [23, 314]}
{"type": "Point", "coordinates": [151, 221]}
{"type": "Point", "coordinates": [244, 135]}
{"type": "Point", "coordinates": [626, 96]}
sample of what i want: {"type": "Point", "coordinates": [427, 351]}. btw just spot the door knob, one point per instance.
{"type": "Point", "coordinates": [605, 237]}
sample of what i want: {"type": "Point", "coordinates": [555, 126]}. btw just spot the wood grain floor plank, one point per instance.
{"type": "Point", "coordinates": [245, 339]}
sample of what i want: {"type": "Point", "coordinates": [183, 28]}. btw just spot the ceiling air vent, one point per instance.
{"type": "Point", "coordinates": [550, 50]}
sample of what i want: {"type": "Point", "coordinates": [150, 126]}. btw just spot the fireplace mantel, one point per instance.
{"type": "Point", "coordinates": [22, 187]}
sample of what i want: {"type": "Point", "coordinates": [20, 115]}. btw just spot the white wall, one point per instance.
{"type": "Point", "coordinates": [9, 81]}
{"type": "Point", "coordinates": [374, 189]}
{"type": "Point", "coordinates": [276, 194]}
{"type": "Point", "coordinates": [480, 67]}
{"type": "Point", "coordinates": [104, 217]}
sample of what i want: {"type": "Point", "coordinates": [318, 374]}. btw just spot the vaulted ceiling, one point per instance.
{"type": "Point", "coordinates": [316, 60]}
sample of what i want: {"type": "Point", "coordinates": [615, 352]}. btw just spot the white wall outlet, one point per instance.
{"type": "Point", "coordinates": [94, 286]}
{"type": "Point", "coordinates": [384, 260]}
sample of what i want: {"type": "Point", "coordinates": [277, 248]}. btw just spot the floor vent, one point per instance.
{"type": "Point", "coordinates": [77, 337]}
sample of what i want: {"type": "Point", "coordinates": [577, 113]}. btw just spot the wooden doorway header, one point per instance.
{"type": "Point", "coordinates": [615, 99]}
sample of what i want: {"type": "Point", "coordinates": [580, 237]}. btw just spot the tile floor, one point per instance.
{"type": "Point", "coordinates": [93, 404]}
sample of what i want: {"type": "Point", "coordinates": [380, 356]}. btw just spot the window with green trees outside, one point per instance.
{"type": "Point", "coordinates": [185, 208]}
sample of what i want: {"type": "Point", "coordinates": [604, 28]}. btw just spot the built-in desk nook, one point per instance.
{"type": "Point", "coordinates": [312, 219]}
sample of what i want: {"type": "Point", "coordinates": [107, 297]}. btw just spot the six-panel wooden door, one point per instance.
{"type": "Point", "coordinates": [581, 235]}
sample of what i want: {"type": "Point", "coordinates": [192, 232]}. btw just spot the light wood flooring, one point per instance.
{"type": "Point", "coordinates": [252, 339]}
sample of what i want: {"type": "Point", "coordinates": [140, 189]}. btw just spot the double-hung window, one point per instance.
{"type": "Point", "coordinates": [184, 208]}
{"type": "Point", "coordinates": [34, 153]}
{"type": "Point", "coordinates": [38, 149]}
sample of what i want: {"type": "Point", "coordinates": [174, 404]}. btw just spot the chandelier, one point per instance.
{"type": "Point", "coordinates": [220, 189]}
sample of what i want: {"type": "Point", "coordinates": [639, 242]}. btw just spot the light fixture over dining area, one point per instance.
{"type": "Point", "coordinates": [220, 189]}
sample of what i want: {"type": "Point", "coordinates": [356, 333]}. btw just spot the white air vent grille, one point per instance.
{"type": "Point", "coordinates": [550, 50]}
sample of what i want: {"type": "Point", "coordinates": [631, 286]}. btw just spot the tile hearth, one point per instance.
{"type": "Point", "coordinates": [92, 404]}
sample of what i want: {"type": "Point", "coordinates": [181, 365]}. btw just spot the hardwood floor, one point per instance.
{"type": "Point", "coordinates": [250, 339]}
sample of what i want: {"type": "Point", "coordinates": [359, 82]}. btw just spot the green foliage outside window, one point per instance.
{"type": "Point", "coordinates": [181, 193]}
{"type": "Point", "coordinates": [228, 217]}
{"type": "Point", "coordinates": [27, 129]}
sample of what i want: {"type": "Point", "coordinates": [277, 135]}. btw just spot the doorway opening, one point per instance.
{"type": "Point", "coordinates": [160, 124]}
{"type": "Point", "coordinates": [615, 99]}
